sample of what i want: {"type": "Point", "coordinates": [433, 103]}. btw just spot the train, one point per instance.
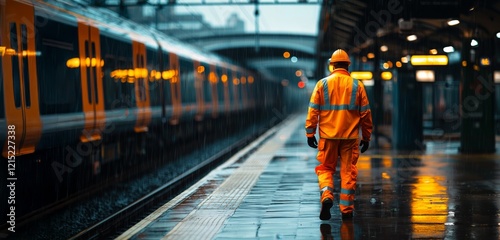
{"type": "Point", "coordinates": [82, 87]}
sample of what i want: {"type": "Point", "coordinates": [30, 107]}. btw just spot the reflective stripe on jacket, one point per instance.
{"type": "Point", "coordinates": [341, 106]}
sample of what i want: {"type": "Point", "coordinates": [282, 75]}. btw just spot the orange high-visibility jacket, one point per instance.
{"type": "Point", "coordinates": [341, 106]}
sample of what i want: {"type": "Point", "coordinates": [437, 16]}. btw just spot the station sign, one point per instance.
{"type": "Point", "coordinates": [362, 75]}
{"type": "Point", "coordinates": [425, 76]}
{"type": "Point", "coordinates": [429, 60]}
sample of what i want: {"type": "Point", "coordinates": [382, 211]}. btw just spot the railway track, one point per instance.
{"type": "Point", "coordinates": [134, 211]}
{"type": "Point", "coordinates": [117, 204]}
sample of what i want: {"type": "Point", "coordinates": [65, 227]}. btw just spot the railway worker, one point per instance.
{"type": "Point", "coordinates": [339, 105]}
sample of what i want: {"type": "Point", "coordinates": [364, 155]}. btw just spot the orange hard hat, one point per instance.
{"type": "Point", "coordinates": [340, 56]}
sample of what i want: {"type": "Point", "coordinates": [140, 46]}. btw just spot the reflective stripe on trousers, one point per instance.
{"type": "Point", "coordinates": [328, 152]}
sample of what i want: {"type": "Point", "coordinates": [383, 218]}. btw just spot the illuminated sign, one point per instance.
{"type": "Point", "coordinates": [428, 60]}
{"type": "Point", "coordinates": [362, 75]}
{"type": "Point", "coordinates": [425, 76]}
{"type": "Point", "coordinates": [369, 82]}
{"type": "Point", "coordinates": [386, 75]}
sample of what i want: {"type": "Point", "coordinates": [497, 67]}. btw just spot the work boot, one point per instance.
{"type": "Point", "coordinates": [325, 209]}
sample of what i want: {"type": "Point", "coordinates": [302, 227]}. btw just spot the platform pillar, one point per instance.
{"type": "Point", "coordinates": [376, 102]}
{"type": "Point", "coordinates": [477, 98]}
{"type": "Point", "coordinates": [407, 129]}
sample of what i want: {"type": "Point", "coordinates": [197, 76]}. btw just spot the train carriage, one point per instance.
{"type": "Point", "coordinates": [83, 88]}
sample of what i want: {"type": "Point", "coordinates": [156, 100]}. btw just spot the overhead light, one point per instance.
{"type": "Point", "coordinates": [286, 54]}
{"type": "Point", "coordinates": [448, 49]}
{"type": "Point", "coordinates": [473, 43]}
{"type": "Point", "coordinates": [411, 38]}
{"type": "Point", "coordinates": [298, 73]}
{"type": "Point", "coordinates": [370, 55]}
{"type": "Point", "coordinates": [453, 22]}
{"type": "Point", "coordinates": [284, 82]}
{"type": "Point", "coordinates": [404, 59]}
{"type": "Point", "coordinates": [498, 34]}
{"type": "Point", "coordinates": [433, 51]}
{"type": "Point", "coordinates": [384, 48]}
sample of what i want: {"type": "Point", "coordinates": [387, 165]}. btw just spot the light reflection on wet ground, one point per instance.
{"type": "Point", "coordinates": [435, 193]}
{"type": "Point", "coordinates": [430, 194]}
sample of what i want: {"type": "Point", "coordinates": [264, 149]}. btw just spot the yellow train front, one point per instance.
{"type": "Point", "coordinates": [81, 87]}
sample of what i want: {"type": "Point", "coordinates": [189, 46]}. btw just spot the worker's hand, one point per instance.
{"type": "Point", "coordinates": [311, 141]}
{"type": "Point", "coordinates": [364, 145]}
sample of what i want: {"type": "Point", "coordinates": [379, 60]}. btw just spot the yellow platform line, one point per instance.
{"type": "Point", "coordinates": [211, 214]}
{"type": "Point", "coordinates": [232, 193]}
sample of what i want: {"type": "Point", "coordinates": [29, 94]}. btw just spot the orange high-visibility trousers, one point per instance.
{"type": "Point", "coordinates": [328, 152]}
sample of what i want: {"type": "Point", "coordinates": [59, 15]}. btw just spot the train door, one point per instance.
{"type": "Point", "coordinates": [175, 88]}
{"type": "Point", "coordinates": [141, 87]}
{"type": "Point", "coordinates": [91, 81]}
{"type": "Point", "coordinates": [20, 82]}
{"type": "Point", "coordinates": [199, 72]}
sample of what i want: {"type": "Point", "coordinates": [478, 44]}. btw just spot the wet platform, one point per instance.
{"type": "Point", "coordinates": [269, 191]}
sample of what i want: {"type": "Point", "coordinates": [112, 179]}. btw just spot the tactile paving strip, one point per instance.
{"type": "Point", "coordinates": [211, 214]}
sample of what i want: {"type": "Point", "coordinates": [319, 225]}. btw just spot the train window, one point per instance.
{"type": "Point", "coordinates": [243, 89]}
{"type": "Point", "coordinates": [90, 52]}
{"type": "Point", "coordinates": [230, 85]}
{"type": "Point", "coordinates": [233, 89]}
{"type": "Point", "coordinates": [250, 88]}
{"type": "Point", "coordinates": [167, 91]}
{"type": "Point", "coordinates": [140, 79]}
{"type": "Point", "coordinates": [89, 84]}
{"type": "Point", "coordinates": [154, 76]}
{"type": "Point", "coordinates": [93, 70]}
{"type": "Point", "coordinates": [237, 88]}
{"type": "Point", "coordinates": [119, 88]}
{"type": "Point", "coordinates": [15, 65]}
{"type": "Point", "coordinates": [207, 88]}
{"type": "Point", "coordinates": [187, 82]}
{"type": "Point", "coordinates": [26, 73]}
{"type": "Point", "coordinates": [220, 85]}
{"type": "Point", "coordinates": [59, 83]}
